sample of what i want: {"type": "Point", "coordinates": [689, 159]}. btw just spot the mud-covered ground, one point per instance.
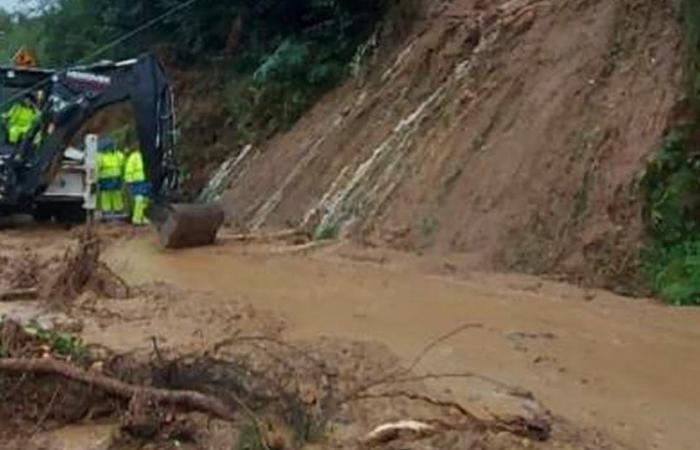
{"type": "Point", "coordinates": [323, 343]}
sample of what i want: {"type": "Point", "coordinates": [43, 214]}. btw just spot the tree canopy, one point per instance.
{"type": "Point", "coordinates": [66, 31]}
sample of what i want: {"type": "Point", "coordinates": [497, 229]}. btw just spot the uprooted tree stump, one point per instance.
{"type": "Point", "coordinates": [81, 269]}
{"type": "Point", "coordinates": [78, 266]}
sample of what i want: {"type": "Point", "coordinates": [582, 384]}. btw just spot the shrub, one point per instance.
{"type": "Point", "coordinates": [672, 187]}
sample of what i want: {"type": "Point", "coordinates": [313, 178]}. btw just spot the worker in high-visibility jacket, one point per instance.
{"type": "Point", "coordinates": [20, 119]}
{"type": "Point", "coordinates": [110, 172]}
{"type": "Point", "coordinates": [139, 187]}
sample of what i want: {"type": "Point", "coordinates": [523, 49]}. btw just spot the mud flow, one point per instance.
{"type": "Point", "coordinates": [424, 260]}
{"type": "Point", "coordinates": [91, 359]}
{"type": "Point", "coordinates": [270, 341]}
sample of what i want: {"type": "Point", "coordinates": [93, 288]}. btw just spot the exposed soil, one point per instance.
{"type": "Point", "coordinates": [510, 132]}
{"type": "Point", "coordinates": [587, 355]}
{"type": "Point", "coordinates": [59, 270]}
{"type": "Point", "coordinates": [503, 135]}
{"type": "Point", "coordinates": [351, 339]}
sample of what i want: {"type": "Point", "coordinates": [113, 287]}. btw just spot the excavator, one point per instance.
{"type": "Point", "coordinates": [49, 176]}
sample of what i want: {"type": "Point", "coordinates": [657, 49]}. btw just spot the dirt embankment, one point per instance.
{"type": "Point", "coordinates": [512, 132]}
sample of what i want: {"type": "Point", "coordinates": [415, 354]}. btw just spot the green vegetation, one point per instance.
{"type": "Point", "coordinates": [60, 343]}
{"type": "Point", "coordinates": [672, 188]}
{"type": "Point", "coordinates": [581, 198]}
{"type": "Point", "coordinates": [249, 438]}
{"type": "Point", "coordinates": [672, 185]}
{"type": "Point", "coordinates": [302, 426]}
{"type": "Point", "coordinates": [15, 32]}
{"type": "Point", "coordinates": [429, 224]}
{"type": "Point", "coordinates": [276, 57]}
{"type": "Point", "coordinates": [326, 232]}
{"type": "Point", "coordinates": [690, 13]}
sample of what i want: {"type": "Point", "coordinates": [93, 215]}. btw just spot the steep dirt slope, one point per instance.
{"type": "Point", "coordinates": [508, 131]}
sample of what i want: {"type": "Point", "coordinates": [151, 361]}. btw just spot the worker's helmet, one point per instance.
{"type": "Point", "coordinates": [105, 144]}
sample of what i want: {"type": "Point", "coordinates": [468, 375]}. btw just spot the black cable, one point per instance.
{"type": "Point", "coordinates": [101, 50]}
{"type": "Point", "coordinates": [136, 31]}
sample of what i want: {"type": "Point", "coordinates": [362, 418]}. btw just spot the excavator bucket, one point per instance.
{"type": "Point", "coordinates": [182, 225]}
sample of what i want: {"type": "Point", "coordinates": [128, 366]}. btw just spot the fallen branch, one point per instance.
{"type": "Point", "coordinates": [19, 295]}
{"type": "Point", "coordinates": [471, 417]}
{"type": "Point", "coordinates": [391, 377]}
{"type": "Point", "coordinates": [440, 340]}
{"type": "Point", "coordinates": [391, 431]}
{"type": "Point", "coordinates": [10, 392]}
{"type": "Point", "coordinates": [186, 399]}
{"type": "Point", "coordinates": [45, 416]}
{"type": "Point", "coordinates": [306, 248]}
{"type": "Point", "coordinates": [536, 428]}
{"type": "Point", "coordinates": [267, 237]}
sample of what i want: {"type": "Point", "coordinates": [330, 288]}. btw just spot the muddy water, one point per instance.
{"type": "Point", "coordinates": [628, 367]}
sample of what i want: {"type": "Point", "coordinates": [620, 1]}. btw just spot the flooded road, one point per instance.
{"type": "Point", "coordinates": [627, 367]}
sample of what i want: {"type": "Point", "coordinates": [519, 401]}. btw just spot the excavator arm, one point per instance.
{"type": "Point", "coordinates": [70, 98]}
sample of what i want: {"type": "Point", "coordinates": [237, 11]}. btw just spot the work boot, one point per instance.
{"type": "Point", "coordinates": [140, 223]}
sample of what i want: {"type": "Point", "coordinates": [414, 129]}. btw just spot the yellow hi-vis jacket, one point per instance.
{"type": "Point", "coordinates": [134, 171]}
{"type": "Point", "coordinates": [110, 165]}
{"type": "Point", "coordinates": [20, 119]}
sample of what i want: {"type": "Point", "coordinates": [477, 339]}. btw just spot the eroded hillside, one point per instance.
{"type": "Point", "coordinates": [510, 132]}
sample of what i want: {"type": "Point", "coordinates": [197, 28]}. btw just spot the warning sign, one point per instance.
{"type": "Point", "coordinates": [24, 57]}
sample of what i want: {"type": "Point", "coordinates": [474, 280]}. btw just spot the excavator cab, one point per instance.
{"type": "Point", "coordinates": [12, 96]}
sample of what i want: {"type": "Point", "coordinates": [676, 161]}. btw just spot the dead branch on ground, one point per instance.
{"type": "Point", "coordinates": [473, 419]}
{"type": "Point", "coordinates": [186, 399]}
{"type": "Point", "coordinates": [16, 295]}
{"type": "Point", "coordinates": [537, 428]}
{"type": "Point", "coordinates": [392, 376]}
{"type": "Point", "coordinates": [292, 235]}
{"type": "Point", "coordinates": [46, 413]}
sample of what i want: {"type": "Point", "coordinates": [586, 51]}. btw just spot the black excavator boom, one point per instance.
{"type": "Point", "coordinates": [67, 99]}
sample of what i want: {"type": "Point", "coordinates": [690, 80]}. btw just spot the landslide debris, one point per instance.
{"type": "Point", "coordinates": [267, 392]}
{"type": "Point", "coordinates": [510, 132]}
{"type": "Point", "coordinates": [29, 274]}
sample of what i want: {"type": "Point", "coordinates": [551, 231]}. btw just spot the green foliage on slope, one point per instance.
{"type": "Point", "coordinates": [272, 59]}
{"type": "Point", "coordinates": [672, 187]}
{"type": "Point", "coordinates": [276, 57]}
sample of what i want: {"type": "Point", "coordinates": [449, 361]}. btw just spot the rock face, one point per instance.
{"type": "Point", "coordinates": [512, 132]}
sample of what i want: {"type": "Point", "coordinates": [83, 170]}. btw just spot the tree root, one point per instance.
{"type": "Point", "coordinates": [191, 400]}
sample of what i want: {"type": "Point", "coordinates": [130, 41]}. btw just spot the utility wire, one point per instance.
{"type": "Point", "coordinates": [110, 45]}
{"type": "Point", "coordinates": [136, 31]}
